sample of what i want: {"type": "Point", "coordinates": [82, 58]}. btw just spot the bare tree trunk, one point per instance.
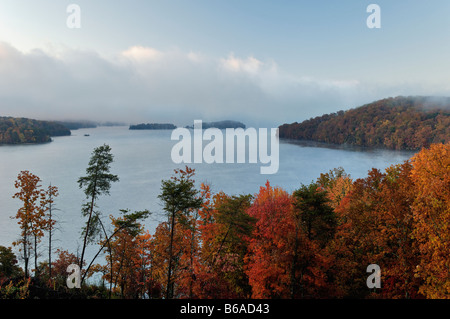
{"type": "Point", "coordinates": [194, 229]}
{"type": "Point", "coordinates": [169, 293]}
{"type": "Point", "coordinates": [50, 230]}
{"type": "Point", "coordinates": [293, 289]}
{"type": "Point", "coordinates": [91, 209]}
{"type": "Point", "coordinates": [25, 255]}
{"type": "Point", "coordinates": [36, 273]}
{"type": "Point", "coordinates": [25, 243]}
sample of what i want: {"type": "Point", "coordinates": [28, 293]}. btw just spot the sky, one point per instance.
{"type": "Point", "coordinates": [262, 62]}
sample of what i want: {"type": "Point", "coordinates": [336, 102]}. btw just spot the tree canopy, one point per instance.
{"type": "Point", "coordinates": [402, 123]}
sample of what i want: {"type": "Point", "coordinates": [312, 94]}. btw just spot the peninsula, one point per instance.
{"type": "Point", "coordinates": [15, 130]}
{"type": "Point", "coordinates": [400, 123]}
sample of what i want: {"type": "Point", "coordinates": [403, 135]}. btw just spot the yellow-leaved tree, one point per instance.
{"type": "Point", "coordinates": [431, 213]}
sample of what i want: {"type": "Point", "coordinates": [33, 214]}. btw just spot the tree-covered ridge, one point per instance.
{"type": "Point", "coordinates": [23, 130]}
{"type": "Point", "coordinates": [408, 123]}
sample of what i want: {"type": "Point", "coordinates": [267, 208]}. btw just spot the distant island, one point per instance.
{"type": "Point", "coordinates": [23, 130]}
{"type": "Point", "coordinates": [152, 126]}
{"type": "Point", "coordinates": [221, 125]}
{"type": "Point", "coordinates": [401, 123]}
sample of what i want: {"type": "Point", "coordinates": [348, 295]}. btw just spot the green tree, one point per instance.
{"type": "Point", "coordinates": [8, 263]}
{"type": "Point", "coordinates": [96, 182]}
{"type": "Point", "coordinates": [180, 198]}
{"type": "Point", "coordinates": [315, 220]}
{"type": "Point", "coordinates": [314, 213]}
{"type": "Point", "coordinates": [236, 227]}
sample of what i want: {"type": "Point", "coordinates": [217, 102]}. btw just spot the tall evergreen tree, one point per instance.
{"type": "Point", "coordinates": [96, 182]}
{"type": "Point", "coordinates": [180, 198]}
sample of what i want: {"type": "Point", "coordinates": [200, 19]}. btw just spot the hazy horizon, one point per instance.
{"type": "Point", "coordinates": [263, 63]}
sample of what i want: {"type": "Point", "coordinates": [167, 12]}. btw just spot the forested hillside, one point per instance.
{"type": "Point", "coordinates": [408, 123]}
{"type": "Point", "coordinates": [23, 130]}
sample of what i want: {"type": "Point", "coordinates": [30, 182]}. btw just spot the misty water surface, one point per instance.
{"type": "Point", "coordinates": [142, 160]}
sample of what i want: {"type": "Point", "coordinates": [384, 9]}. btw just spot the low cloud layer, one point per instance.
{"type": "Point", "coordinates": [143, 84]}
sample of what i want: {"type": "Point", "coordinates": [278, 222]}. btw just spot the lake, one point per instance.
{"type": "Point", "coordinates": [142, 158]}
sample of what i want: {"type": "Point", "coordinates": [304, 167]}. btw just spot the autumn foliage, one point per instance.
{"type": "Point", "coordinates": [402, 122]}
{"type": "Point", "coordinates": [431, 218]}
{"type": "Point", "coordinates": [315, 242]}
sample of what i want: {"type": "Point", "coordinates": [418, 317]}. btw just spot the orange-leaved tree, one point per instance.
{"type": "Point", "coordinates": [270, 255]}
{"type": "Point", "coordinates": [225, 228]}
{"type": "Point", "coordinates": [400, 254]}
{"type": "Point", "coordinates": [431, 209]}
{"type": "Point", "coordinates": [337, 184]}
{"type": "Point", "coordinates": [31, 216]}
{"type": "Point", "coordinates": [124, 252]}
{"type": "Point", "coordinates": [357, 243]}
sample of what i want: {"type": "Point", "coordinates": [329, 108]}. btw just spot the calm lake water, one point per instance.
{"type": "Point", "coordinates": [141, 160]}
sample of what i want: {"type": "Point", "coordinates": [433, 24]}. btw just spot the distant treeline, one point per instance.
{"type": "Point", "coordinates": [408, 123]}
{"type": "Point", "coordinates": [23, 130]}
{"type": "Point", "coordinates": [75, 125]}
{"type": "Point", "coordinates": [153, 126]}
{"type": "Point", "coordinates": [221, 125]}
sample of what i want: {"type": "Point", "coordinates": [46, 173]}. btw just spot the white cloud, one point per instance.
{"type": "Point", "coordinates": [143, 84]}
{"type": "Point", "coordinates": [249, 65]}
{"type": "Point", "coordinates": [140, 53]}
{"type": "Point", "coordinates": [195, 57]}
